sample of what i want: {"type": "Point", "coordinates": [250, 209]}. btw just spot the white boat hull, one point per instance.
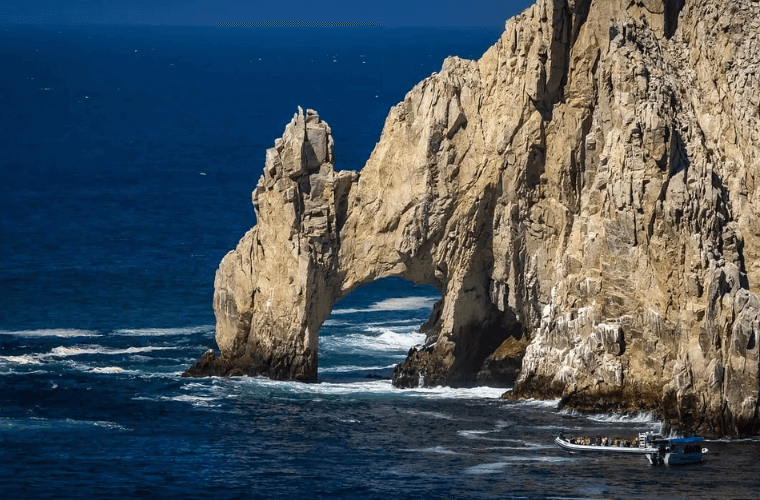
{"type": "Point", "coordinates": [660, 455]}
{"type": "Point", "coordinates": [630, 450]}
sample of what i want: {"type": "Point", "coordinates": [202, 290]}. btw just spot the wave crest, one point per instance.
{"type": "Point", "coordinates": [50, 332]}
{"type": "Point", "coordinates": [394, 304]}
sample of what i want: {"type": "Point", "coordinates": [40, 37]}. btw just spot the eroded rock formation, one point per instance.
{"type": "Point", "coordinates": [584, 196]}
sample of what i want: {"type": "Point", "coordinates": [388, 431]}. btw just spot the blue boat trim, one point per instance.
{"type": "Point", "coordinates": [689, 440]}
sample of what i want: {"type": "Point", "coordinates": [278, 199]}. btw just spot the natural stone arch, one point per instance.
{"type": "Point", "coordinates": [591, 178]}
{"type": "Point", "coordinates": [321, 234]}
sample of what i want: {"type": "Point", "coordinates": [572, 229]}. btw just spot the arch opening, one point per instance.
{"type": "Point", "coordinates": [372, 330]}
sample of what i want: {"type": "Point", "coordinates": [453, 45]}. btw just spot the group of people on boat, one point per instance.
{"type": "Point", "coordinates": [603, 441]}
{"type": "Point", "coordinates": [658, 449]}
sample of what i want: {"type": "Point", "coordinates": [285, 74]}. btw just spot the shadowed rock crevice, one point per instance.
{"type": "Point", "coordinates": [672, 11]}
{"type": "Point", "coordinates": [583, 196]}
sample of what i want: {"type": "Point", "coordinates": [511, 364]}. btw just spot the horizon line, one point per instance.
{"type": "Point", "coordinates": [273, 24]}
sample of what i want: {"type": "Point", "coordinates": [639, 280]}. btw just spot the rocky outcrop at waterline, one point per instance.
{"type": "Point", "coordinates": [584, 196]}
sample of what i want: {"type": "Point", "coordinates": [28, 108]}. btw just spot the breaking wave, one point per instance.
{"type": "Point", "coordinates": [634, 418]}
{"type": "Point", "coordinates": [615, 418]}
{"type": "Point", "coordinates": [25, 359]}
{"type": "Point", "coordinates": [395, 304]}
{"type": "Point", "coordinates": [110, 370]}
{"type": "Point", "coordinates": [364, 388]}
{"type": "Point", "coordinates": [550, 404]}
{"type": "Point", "coordinates": [162, 332]}
{"type": "Point", "coordinates": [54, 332]}
{"type": "Point", "coordinates": [63, 351]}
{"type": "Point", "coordinates": [358, 343]}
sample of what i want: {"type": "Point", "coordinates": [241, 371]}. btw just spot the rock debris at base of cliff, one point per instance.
{"type": "Point", "coordinates": [584, 196]}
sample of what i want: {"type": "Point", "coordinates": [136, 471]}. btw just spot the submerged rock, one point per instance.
{"type": "Point", "coordinates": [586, 190]}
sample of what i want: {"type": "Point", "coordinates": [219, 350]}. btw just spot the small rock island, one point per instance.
{"type": "Point", "coordinates": [585, 196]}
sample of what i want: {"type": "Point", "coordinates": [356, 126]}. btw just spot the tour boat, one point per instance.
{"type": "Point", "coordinates": [658, 449]}
{"type": "Point", "coordinates": [677, 451]}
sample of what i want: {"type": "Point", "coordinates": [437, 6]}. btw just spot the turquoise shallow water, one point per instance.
{"type": "Point", "coordinates": [127, 157]}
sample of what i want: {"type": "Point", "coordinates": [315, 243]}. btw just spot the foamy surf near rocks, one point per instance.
{"type": "Point", "coordinates": [583, 196]}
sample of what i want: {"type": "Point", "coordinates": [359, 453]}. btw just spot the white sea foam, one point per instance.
{"type": "Point", "coordinates": [63, 351]}
{"type": "Point", "coordinates": [734, 440]}
{"type": "Point", "coordinates": [520, 444]}
{"type": "Point", "coordinates": [494, 468]}
{"type": "Point", "coordinates": [70, 363]}
{"type": "Point", "coordinates": [616, 418]}
{"type": "Point", "coordinates": [432, 414]}
{"type": "Point", "coordinates": [55, 332]}
{"type": "Point", "coordinates": [393, 323]}
{"type": "Point", "coordinates": [195, 400]}
{"type": "Point", "coordinates": [635, 418]}
{"type": "Point", "coordinates": [109, 369]}
{"type": "Point", "coordinates": [370, 388]}
{"type": "Point", "coordinates": [26, 359]}
{"type": "Point", "coordinates": [541, 403]}
{"type": "Point", "coordinates": [394, 304]}
{"type": "Point", "coordinates": [149, 375]}
{"type": "Point", "coordinates": [34, 423]}
{"type": "Point", "coordinates": [483, 436]}
{"type": "Point", "coordinates": [352, 368]}
{"type": "Point", "coordinates": [335, 322]}
{"type": "Point", "coordinates": [438, 450]}
{"type": "Point", "coordinates": [473, 434]}
{"type": "Point", "coordinates": [452, 393]}
{"type": "Point", "coordinates": [140, 358]}
{"type": "Point", "coordinates": [323, 388]}
{"type": "Point", "coordinates": [527, 446]}
{"type": "Point", "coordinates": [25, 372]}
{"type": "Point", "coordinates": [162, 332]}
{"type": "Point", "coordinates": [392, 328]}
{"type": "Point", "coordinates": [357, 343]}
{"type": "Point", "coordinates": [109, 425]}
{"type": "Point", "coordinates": [194, 386]}
{"type": "Point", "coordinates": [498, 467]}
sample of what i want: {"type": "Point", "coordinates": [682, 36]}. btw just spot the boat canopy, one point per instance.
{"type": "Point", "coordinates": [690, 440]}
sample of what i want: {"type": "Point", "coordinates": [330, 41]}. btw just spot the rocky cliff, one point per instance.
{"type": "Point", "coordinates": [584, 196]}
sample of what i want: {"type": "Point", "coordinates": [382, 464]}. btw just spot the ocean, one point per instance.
{"type": "Point", "coordinates": [127, 159]}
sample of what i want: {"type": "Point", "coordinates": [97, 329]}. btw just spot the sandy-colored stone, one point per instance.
{"type": "Point", "coordinates": [588, 185]}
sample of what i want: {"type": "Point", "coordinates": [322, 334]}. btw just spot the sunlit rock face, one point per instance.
{"type": "Point", "coordinates": [584, 196]}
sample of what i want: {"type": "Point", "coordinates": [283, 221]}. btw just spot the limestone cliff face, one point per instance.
{"type": "Point", "coordinates": [584, 196]}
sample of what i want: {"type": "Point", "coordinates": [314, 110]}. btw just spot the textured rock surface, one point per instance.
{"type": "Point", "coordinates": [583, 196]}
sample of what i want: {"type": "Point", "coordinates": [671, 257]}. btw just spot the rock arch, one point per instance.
{"type": "Point", "coordinates": [321, 234]}
{"type": "Point", "coordinates": [589, 183]}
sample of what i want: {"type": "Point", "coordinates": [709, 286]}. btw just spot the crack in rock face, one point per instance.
{"type": "Point", "coordinates": [583, 196]}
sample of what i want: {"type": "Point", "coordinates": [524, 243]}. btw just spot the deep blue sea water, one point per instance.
{"type": "Point", "coordinates": [127, 158]}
